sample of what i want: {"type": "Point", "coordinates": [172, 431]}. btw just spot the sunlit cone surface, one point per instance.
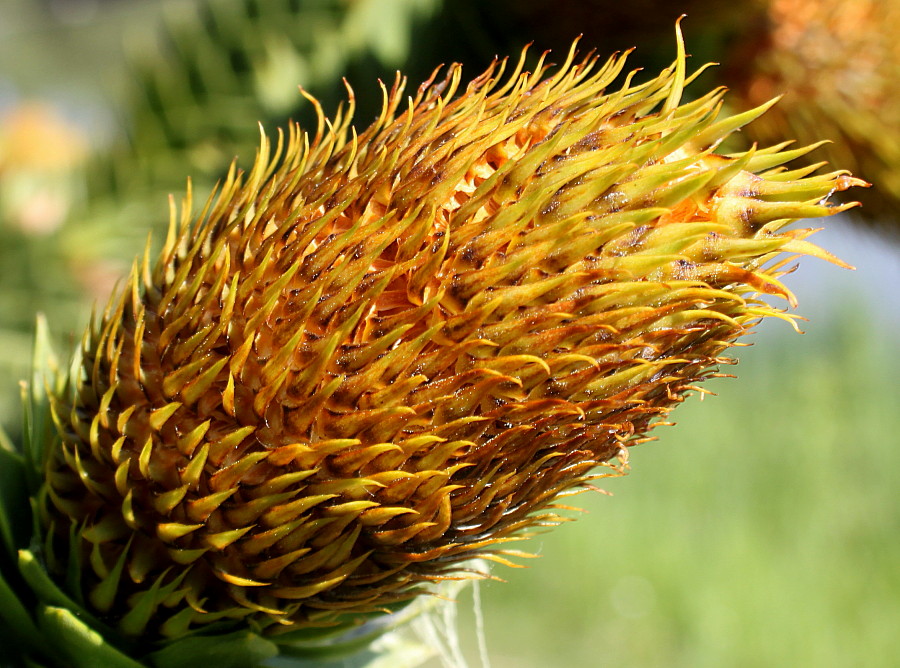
{"type": "Point", "coordinates": [374, 357]}
{"type": "Point", "coordinates": [837, 65]}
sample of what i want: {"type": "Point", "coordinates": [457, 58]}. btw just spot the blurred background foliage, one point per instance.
{"type": "Point", "coordinates": [763, 530]}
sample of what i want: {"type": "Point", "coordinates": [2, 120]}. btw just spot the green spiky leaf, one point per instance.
{"type": "Point", "coordinates": [234, 650]}
{"type": "Point", "coordinates": [81, 645]}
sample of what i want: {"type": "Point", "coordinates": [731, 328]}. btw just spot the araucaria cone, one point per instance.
{"type": "Point", "coordinates": [377, 355]}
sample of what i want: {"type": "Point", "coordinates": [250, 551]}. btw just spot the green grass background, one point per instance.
{"type": "Point", "coordinates": [760, 531]}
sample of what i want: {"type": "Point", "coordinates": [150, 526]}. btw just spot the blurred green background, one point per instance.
{"type": "Point", "coordinates": [760, 531]}
{"type": "Point", "coordinates": [763, 530]}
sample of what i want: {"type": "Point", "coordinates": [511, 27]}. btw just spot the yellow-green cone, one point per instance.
{"type": "Point", "coordinates": [376, 356]}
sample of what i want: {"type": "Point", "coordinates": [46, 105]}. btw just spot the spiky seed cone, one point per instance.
{"type": "Point", "coordinates": [374, 357]}
{"type": "Point", "coordinates": [837, 64]}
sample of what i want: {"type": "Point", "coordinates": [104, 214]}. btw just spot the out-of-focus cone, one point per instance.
{"type": "Point", "coordinates": [837, 65]}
